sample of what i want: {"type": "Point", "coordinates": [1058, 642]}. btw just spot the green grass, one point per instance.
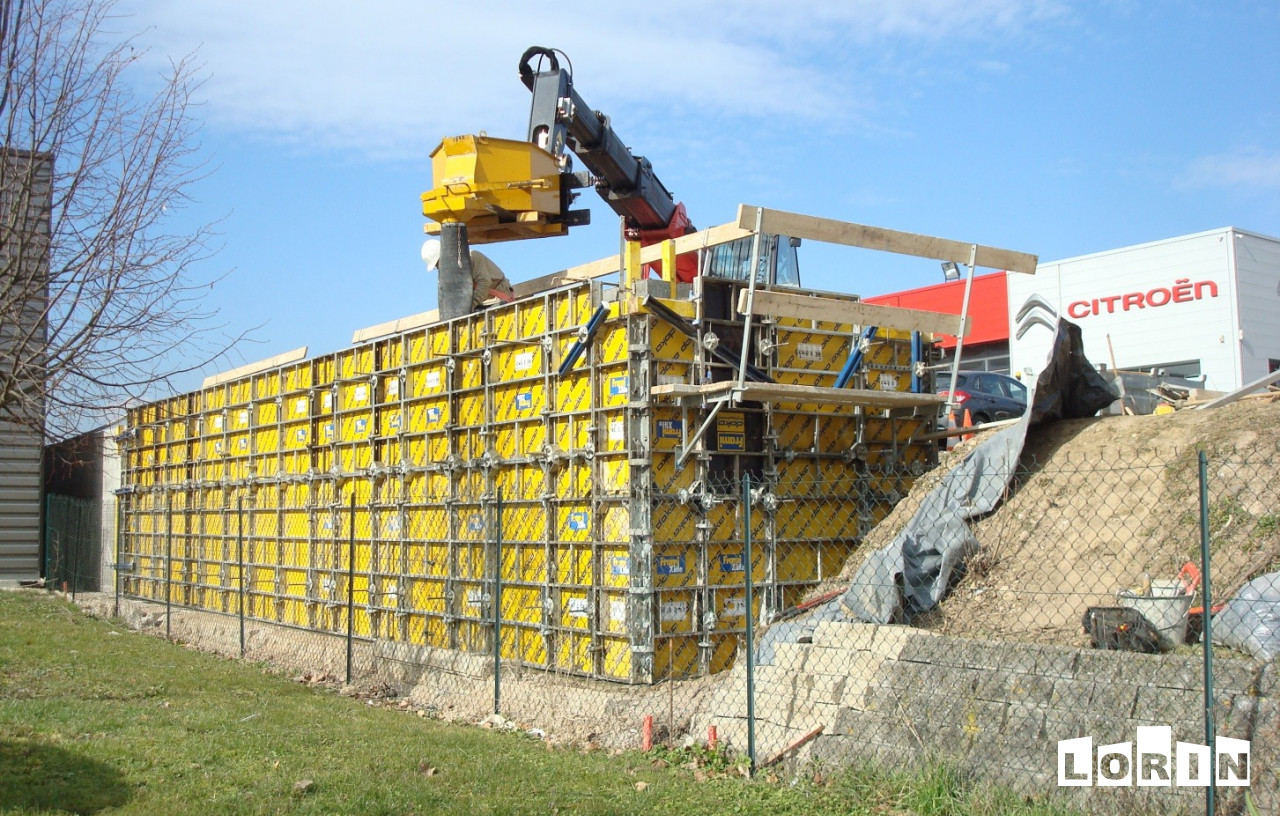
{"type": "Point", "coordinates": [95, 719]}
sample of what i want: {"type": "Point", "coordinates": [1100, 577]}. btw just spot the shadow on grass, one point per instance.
{"type": "Point", "coordinates": [42, 777]}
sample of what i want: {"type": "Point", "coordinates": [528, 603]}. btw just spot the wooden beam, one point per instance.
{"type": "Point", "coordinates": [835, 310]}
{"type": "Point", "coordinates": [245, 370]}
{"type": "Point", "coordinates": [396, 326]}
{"type": "Point", "coordinates": [887, 240]}
{"type": "Point", "coordinates": [1225, 399]}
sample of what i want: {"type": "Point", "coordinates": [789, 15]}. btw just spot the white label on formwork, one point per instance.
{"type": "Point", "coordinates": [433, 379]}
{"type": "Point", "coordinates": [361, 393]}
{"type": "Point", "coordinates": [474, 597]}
{"type": "Point", "coordinates": [617, 430]}
{"type": "Point", "coordinates": [618, 611]}
{"type": "Point", "coordinates": [326, 401]}
{"type": "Point", "coordinates": [735, 607]}
{"type": "Point", "coordinates": [809, 351]}
{"type": "Point", "coordinates": [300, 407]}
{"type": "Point", "coordinates": [670, 611]}
{"type": "Point", "coordinates": [670, 379]}
{"type": "Point", "coordinates": [217, 423]}
{"type": "Point", "coordinates": [244, 416]}
{"type": "Point", "coordinates": [524, 361]}
{"type": "Point", "coordinates": [888, 382]}
{"type": "Point", "coordinates": [578, 607]}
{"type": "Point", "coordinates": [393, 388]}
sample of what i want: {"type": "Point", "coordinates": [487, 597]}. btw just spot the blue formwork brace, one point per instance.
{"type": "Point", "coordinates": [854, 362]}
{"type": "Point", "coordinates": [917, 354]}
{"type": "Point", "coordinates": [580, 345]}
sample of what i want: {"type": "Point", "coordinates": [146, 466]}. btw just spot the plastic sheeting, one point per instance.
{"type": "Point", "coordinates": [1250, 621]}
{"type": "Point", "coordinates": [913, 572]}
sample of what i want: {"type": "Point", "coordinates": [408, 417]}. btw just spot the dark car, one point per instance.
{"type": "Point", "coordinates": [987, 396]}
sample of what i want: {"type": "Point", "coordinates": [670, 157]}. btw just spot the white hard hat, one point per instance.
{"type": "Point", "coordinates": [431, 253]}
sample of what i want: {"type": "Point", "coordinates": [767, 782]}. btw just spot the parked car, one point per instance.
{"type": "Point", "coordinates": [987, 396]}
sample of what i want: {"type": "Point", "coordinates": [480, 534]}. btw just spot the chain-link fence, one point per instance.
{"type": "Point", "coordinates": [72, 543]}
{"type": "Point", "coordinates": [796, 621]}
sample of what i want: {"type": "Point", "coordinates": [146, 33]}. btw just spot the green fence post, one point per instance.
{"type": "Point", "coordinates": [240, 558]}
{"type": "Point", "coordinates": [168, 566]}
{"type": "Point", "coordinates": [751, 648]}
{"type": "Point", "coordinates": [1206, 636]}
{"type": "Point", "coordinates": [351, 583]}
{"type": "Point", "coordinates": [497, 610]}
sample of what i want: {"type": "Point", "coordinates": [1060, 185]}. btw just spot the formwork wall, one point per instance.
{"type": "Point", "coordinates": [415, 475]}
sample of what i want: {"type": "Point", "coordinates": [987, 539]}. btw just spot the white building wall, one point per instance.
{"type": "Point", "coordinates": [1160, 303]}
{"type": "Point", "coordinates": [1257, 263]}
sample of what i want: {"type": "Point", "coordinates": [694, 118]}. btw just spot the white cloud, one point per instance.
{"type": "Point", "coordinates": [1249, 168]}
{"type": "Point", "coordinates": [387, 77]}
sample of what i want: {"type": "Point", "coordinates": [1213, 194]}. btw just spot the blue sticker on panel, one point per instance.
{"type": "Point", "coordinates": [620, 565]}
{"type": "Point", "coordinates": [475, 524]}
{"type": "Point", "coordinates": [579, 521]}
{"type": "Point", "coordinates": [361, 425]}
{"type": "Point", "coordinates": [618, 385]}
{"type": "Point", "coordinates": [670, 564]}
{"type": "Point", "coordinates": [433, 415]}
{"type": "Point", "coordinates": [730, 562]}
{"type": "Point", "coordinates": [524, 400]}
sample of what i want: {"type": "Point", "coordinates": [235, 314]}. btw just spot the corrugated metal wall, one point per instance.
{"type": "Point", "coordinates": [24, 211]}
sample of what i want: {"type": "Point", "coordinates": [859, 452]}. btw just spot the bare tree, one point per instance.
{"type": "Point", "coordinates": [98, 300]}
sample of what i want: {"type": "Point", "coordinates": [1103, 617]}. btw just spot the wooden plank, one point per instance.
{"type": "Point", "coordinates": [776, 392]}
{"type": "Point", "coordinates": [887, 240]}
{"type": "Point", "coordinates": [397, 326]}
{"type": "Point", "coordinates": [253, 368]}
{"type": "Point", "coordinates": [835, 310]}
{"type": "Point", "coordinates": [1230, 397]}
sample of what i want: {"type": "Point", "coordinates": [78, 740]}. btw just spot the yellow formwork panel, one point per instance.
{"type": "Point", "coordinates": [675, 657]}
{"type": "Point", "coordinates": [354, 363]}
{"type": "Point", "coordinates": [675, 522]}
{"type": "Point", "coordinates": [428, 379]}
{"type": "Point", "coordinates": [615, 476]}
{"type": "Point", "coordinates": [615, 523]}
{"type": "Point", "coordinates": [523, 523]}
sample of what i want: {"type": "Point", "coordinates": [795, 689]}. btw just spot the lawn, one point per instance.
{"type": "Point", "coordinates": [97, 719]}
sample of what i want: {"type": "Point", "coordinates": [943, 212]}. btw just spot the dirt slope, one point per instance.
{"type": "Point", "coordinates": [1099, 502]}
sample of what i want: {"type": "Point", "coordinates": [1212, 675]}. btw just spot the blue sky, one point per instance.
{"type": "Point", "coordinates": [1056, 128]}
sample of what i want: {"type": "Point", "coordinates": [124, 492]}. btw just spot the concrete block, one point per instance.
{"type": "Point", "coordinates": [1070, 695]}
{"type": "Point", "coordinates": [939, 649]}
{"type": "Point", "coordinates": [844, 636]}
{"type": "Point", "coordinates": [1024, 721]}
{"type": "Point", "coordinates": [983, 717]}
{"type": "Point", "coordinates": [1166, 705]}
{"type": "Point", "coordinates": [1101, 665]}
{"type": "Point", "coordinates": [1117, 699]}
{"type": "Point", "coordinates": [992, 685]}
{"type": "Point", "coordinates": [1031, 688]}
{"type": "Point", "coordinates": [979, 655]}
{"type": "Point", "coordinates": [891, 640]}
{"type": "Point", "coordinates": [1068, 724]}
{"type": "Point", "coordinates": [789, 657]}
{"type": "Point", "coordinates": [775, 680]}
{"type": "Point", "coordinates": [1058, 664]}
{"type": "Point", "coordinates": [1236, 676]}
{"type": "Point", "coordinates": [1019, 658]}
{"type": "Point", "coordinates": [840, 750]}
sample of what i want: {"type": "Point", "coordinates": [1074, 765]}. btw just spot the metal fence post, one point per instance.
{"type": "Point", "coordinates": [1206, 636]}
{"type": "Point", "coordinates": [115, 567]}
{"type": "Point", "coordinates": [168, 567]}
{"type": "Point", "coordinates": [351, 581]}
{"type": "Point", "coordinates": [240, 559]}
{"type": "Point", "coordinates": [497, 610]}
{"type": "Point", "coordinates": [751, 653]}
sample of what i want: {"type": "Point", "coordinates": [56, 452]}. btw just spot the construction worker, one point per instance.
{"type": "Point", "coordinates": [485, 274]}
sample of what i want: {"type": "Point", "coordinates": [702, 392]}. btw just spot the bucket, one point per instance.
{"type": "Point", "coordinates": [1165, 608]}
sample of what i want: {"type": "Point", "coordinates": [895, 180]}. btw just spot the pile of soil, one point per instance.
{"type": "Point", "coordinates": [1109, 503]}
